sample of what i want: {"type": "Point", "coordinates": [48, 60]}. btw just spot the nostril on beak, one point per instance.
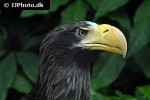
{"type": "Point", "coordinates": [105, 31]}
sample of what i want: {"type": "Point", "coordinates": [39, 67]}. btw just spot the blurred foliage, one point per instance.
{"type": "Point", "coordinates": [113, 78]}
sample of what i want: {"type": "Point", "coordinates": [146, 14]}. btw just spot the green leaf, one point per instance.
{"type": "Point", "coordinates": [74, 12]}
{"type": "Point", "coordinates": [143, 59]}
{"type": "Point", "coordinates": [106, 6]}
{"type": "Point", "coordinates": [107, 63]}
{"type": "Point", "coordinates": [121, 96]}
{"type": "Point", "coordinates": [96, 96]}
{"type": "Point", "coordinates": [121, 16]}
{"type": "Point", "coordinates": [3, 36]}
{"type": "Point", "coordinates": [32, 42]}
{"type": "Point", "coordinates": [55, 4]}
{"type": "Point", "coordinates": [28, 13]}
{"type": "Point", "coordinates": [2, 53]}
{"type": "Point", "coordinates": [140, 35]}
{"type": "Point", "coordinates": [21, 84]}
{"type": "Point", "coordinates": [29, 62]}
{"type": "Point", "coordinates": [7, 72]}
{"type": "Point", "coordinates": [94, 3]}
{"type": "Point", "coordinates": [4, 33]}
{"type": "Point", "coordinates": [145, 91]}
{"type": "Point", "coordinates": [125, 97]}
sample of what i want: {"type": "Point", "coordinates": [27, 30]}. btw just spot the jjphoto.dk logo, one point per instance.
{"type": "Point", "coordinates": [25, 4]}
{"type": "Point", "coordinates": [39, 4]}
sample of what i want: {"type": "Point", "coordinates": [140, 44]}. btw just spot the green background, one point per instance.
{"type": "Point", "coordinates": [113, 78]}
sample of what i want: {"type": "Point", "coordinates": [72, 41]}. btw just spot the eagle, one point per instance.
{"type": "Point", "coordinates": [67, 54]}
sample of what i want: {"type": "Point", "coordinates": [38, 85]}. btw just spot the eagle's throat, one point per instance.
{"type": "Point", "coordinates": [64, 77]}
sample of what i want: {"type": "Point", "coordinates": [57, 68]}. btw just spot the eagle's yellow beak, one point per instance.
{"type": "Point", "coordinates": [105, 37]}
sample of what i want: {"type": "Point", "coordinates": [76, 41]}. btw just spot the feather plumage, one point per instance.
{"type": "Point", "coordinates": [64, 72]}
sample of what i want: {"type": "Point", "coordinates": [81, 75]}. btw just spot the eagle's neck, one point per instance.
{"type": "Point", "coordinates": [65, 77]}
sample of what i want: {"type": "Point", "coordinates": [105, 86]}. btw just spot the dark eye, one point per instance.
{"type": "Point", "coordinates": [82, 33]}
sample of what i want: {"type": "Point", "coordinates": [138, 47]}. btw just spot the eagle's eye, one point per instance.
{"type": "Point", "coordinates": [82, 32]}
